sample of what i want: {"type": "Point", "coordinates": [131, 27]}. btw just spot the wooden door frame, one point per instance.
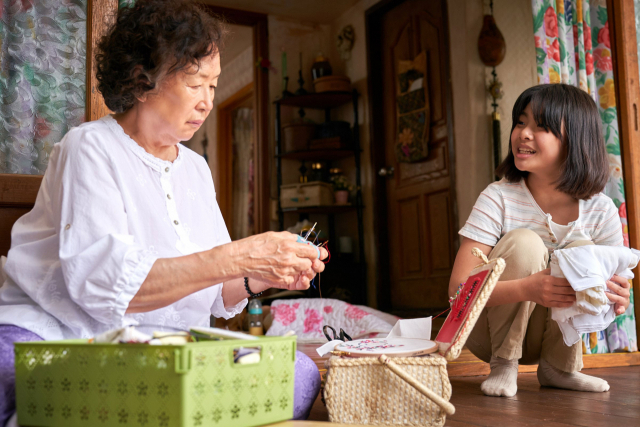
{"type": "Point", "coordinates": [373, 17]}
{"type": "Point", "coordinates": [224, 151]}
{"type": "Point", "coordinates": [259, 23]}
{"type": "Point", "coordinates": [624, 49]}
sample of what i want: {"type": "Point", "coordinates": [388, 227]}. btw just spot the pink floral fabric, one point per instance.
{"type": "Point", "coordinates": [312, 321]}
{"type": "Point", "coordinates": [307, 316]}
{"type": "Point", "coordinates": [354, 312]}
{"type": "Point", "coordinates": [285, 314]}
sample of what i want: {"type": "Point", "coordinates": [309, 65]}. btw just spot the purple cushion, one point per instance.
{"type": "Point", "coordinates": [306, 386]}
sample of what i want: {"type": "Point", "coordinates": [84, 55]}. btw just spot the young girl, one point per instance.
{"type": "Point", "coordinates": [549, 198]}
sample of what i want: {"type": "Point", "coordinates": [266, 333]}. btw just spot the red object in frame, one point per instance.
{"type": "Point", "coordinates": [461, 307]}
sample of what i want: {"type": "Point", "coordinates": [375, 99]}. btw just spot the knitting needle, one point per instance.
{"type": "Point", "coordinates": [309, 232]}
{"type": "Point", "coordinates": [317, 235]}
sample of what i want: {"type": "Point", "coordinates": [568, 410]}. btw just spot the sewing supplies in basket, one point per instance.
{"type": "Point", "coordinates": [373, 381]}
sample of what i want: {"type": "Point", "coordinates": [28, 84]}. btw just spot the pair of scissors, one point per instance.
{"type": "Point", "coordinates": [342, 336]}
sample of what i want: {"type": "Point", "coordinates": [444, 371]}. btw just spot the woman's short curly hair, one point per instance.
{"type": "Point", "coordinates": [161, 36]}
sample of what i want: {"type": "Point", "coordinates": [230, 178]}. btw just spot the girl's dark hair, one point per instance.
{"type": "Point", "coordinates": [161, 36]}
{"type": "Point", "coordinates": [555, 107]}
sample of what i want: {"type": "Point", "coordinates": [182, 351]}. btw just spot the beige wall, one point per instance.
{"type": "Point", "coordinates": [471, 102]}
{"type": "Point", "coordinates": [470, 118]}
{"type": "Point", "coordinates": [518, 70]}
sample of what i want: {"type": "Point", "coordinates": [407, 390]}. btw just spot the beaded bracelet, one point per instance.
{"type": "Point", "coordinates": [246, 286]}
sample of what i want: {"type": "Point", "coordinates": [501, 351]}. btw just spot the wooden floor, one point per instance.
{"type": "Point", "coordinates": [534, 405]}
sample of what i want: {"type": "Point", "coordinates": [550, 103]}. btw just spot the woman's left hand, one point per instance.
{"type": "Point", "coordinates": [305, 278]}
{"type": "Point", "coordinates": [620, 294]}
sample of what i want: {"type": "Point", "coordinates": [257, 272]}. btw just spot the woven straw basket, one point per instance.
{"type": "Point", "coordinates": [403, 391]}
{"type": "Point", "coordinates": [365, 391]}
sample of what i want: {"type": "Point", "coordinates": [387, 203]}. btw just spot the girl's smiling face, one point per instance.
{"type": "Point", "coordinates": [536, 150]}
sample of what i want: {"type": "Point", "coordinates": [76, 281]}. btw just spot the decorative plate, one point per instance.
{"type": "Point", "coordinates": [392, 347]}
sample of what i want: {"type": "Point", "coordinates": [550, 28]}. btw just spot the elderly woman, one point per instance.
{"type": "Point", "coordinates": [126, 228]}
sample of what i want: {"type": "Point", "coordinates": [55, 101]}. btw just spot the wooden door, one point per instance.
{"type": "Point", "coordinates": [227, 158]}
{"type": "Point", "coordinates": [419, 195]}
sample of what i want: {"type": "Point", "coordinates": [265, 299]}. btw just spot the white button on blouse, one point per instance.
{"type": "Point", "coordinates": [105, 212]}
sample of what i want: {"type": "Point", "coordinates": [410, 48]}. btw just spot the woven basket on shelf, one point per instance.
{"type": "Point", "coordinates": [365, 391]}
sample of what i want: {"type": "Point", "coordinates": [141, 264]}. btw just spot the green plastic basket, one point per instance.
{"type": "Point", "coordinates": [74, 383]}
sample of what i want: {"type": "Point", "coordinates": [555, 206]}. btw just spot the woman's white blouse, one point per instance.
{"type": "Point", "coordinates": [105, 212]}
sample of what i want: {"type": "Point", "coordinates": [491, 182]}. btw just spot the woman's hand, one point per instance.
{"type": "Point", "coordinates": [278, 259]}
{"type": "Point", "coordinates": [549, 291]}
{"type": "Point", "coordinates": [620, 294]}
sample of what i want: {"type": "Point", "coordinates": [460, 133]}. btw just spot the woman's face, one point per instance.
{"type": "Point", "coordinates": [183, 101]}
{"type": "Point", "coordinates": [534, 149]}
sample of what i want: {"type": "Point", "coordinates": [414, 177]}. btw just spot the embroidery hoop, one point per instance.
{"type": "Point", "coordinates": [391, 347]}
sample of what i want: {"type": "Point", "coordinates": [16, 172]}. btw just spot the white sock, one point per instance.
{"type": "Point", "coordinates": [552, 377]}
{"type": "Point", "coordinates": [503, 378]}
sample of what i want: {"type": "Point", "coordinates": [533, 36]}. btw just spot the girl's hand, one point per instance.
{"type": "Point", "coordinates": [621, 294]}
{"type": "Point", "coordinates": [549, 291]}
{"type": "Point", "coordinates": [278, 259]}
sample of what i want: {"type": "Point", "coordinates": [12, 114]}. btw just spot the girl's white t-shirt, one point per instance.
{"type": "Point", "coordinates": [560, 231]}
{"type": "Point", "coordinates": [105, 212]}
{"type": "Point", "coordinates": [505, 206]}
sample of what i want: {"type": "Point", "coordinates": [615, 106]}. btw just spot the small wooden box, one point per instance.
{"type": "Point", "coordinates": [314, 193]}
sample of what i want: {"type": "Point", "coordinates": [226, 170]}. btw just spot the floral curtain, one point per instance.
{"type": "Point", "coordinates": [573, 47]}
{"type": "Point", "coordinates": [42, 79]}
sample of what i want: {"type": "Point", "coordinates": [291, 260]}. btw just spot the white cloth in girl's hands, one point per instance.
{"type": "Point", "coordinates": [588, 268]}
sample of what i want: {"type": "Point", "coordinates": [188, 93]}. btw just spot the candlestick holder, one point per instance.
{"type": "Point", "coordinates": [286, 93]}
{"type": "Point", "coordinates": [301, 90]}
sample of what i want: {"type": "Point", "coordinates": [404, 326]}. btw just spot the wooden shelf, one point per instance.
{"type": "Point", "coordinates": [318, 155]}
{"type": "Point", "coordinates": [320, 101]}
{"type": "Point", "coordinates": [333, 209]}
